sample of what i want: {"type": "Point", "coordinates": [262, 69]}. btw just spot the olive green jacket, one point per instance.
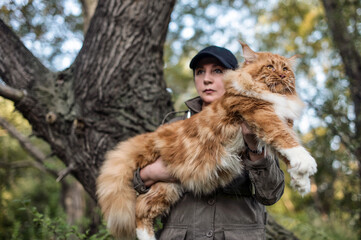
{"type": "Point", "coordinates": [234, 212]}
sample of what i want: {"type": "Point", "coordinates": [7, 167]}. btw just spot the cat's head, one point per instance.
{"type": "Point", "coordinates": [271, 70]}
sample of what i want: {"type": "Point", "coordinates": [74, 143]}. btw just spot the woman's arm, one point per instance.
{"type": "Point", "coordinates": [251, 141]}
{"type": "Point", "coordinates": [265, 174]}
{"type": "Point", "coordinates": [150, 174]}
{"type": "Point", "coordinates": [155, 172]}
{"type": "Point", "coordinates": [267, 179]}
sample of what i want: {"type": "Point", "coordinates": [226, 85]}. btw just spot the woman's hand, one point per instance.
{"type": "Point", "coordinates": [252, 142]}
{"type": "Point", "coordinates": [156, 172]}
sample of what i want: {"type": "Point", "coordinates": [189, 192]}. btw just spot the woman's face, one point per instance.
{"type": "Point", "coordinates": [208, 78]}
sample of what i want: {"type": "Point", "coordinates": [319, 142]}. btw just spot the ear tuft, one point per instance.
{"type": "Point", "coordinates": [248, 54]}
{"type": "Point", "coordinates": [293, 60]}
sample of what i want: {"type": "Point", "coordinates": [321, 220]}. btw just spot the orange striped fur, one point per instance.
{"type": "Point", "coordinates": [203, 152]}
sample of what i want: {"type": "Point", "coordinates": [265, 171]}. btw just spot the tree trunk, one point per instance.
{"type": "Point", "coordinates": [113, 90]}
{"type": "Point", "coordinates": [351, 58]}
{"type": "Point", "coordinates": [350, 54]}
{"type": "Point", "coordinates": [73, 201]}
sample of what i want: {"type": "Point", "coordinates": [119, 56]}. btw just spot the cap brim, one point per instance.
{"type": "Point", "coordinates": [198, 57]}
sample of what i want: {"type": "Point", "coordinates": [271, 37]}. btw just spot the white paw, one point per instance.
{"type": "Point", "coordinates": [302, 163]}
{"type": "Point", "coordinates": [142, 234]}
{"type": "Point", "coordinates": [299, 182]}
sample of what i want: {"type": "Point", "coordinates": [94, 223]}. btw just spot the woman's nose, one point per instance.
{"type": "Point", "coordinates": [207, 78]}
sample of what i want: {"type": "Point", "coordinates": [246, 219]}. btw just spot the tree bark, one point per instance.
{"type": "Point", "coordinates": [18, 66]}
{"type": "Point", "coordinates": [113, 90]}
{"type": "Point", "coordinates": [73, 200]}
{"type": "Point", "coordinates": [88, 7]}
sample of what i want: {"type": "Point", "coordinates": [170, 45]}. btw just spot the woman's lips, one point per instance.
{"type": "Point", "coordinates": [208, 91]}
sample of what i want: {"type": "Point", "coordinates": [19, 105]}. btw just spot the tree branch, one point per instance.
{"type": "Point", "coordinates": [63, 173]}
{"type": "Point", "coordinates": [11, 93]}
{"type": "Point", "coordinates": [19, 68]}
{"type": "Point", "coordinates": [38, 155]}
{"type": "Point", "coordinates": [88, 7]}
{"type": "Point", "coordinates": [23, 164]}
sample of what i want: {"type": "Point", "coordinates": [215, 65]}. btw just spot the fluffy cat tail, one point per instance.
{"type": "Point", "coordinates": [116, 195]}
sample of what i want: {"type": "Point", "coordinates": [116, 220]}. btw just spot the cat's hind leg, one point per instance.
{"type": "Point", "coordinates": [154, 203]}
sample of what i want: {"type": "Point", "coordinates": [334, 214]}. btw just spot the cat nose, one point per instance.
{"type": "Point", "coordinates": [282, 76]}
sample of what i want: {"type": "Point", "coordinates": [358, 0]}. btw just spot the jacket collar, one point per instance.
{"type": "Point", "coordinates": [195, 105]}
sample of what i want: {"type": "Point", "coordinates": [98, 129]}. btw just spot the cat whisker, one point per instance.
{"type": "Point", "coordinates": [289, 89]}
{"type": "Point", "coordinates": [274, 87]}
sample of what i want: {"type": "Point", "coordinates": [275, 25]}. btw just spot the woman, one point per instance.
{"type": "Point", "coordinates": [236, 211]}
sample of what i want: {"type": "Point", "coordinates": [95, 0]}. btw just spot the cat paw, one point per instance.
{"type": "Point", "coordinates": [301, 183]}
{"type": "Point", "coordinates": [143, 234]}
{"type": "Point", "coordinates": [301, 162]}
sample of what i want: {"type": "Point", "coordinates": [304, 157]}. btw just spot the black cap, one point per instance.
{"type": "Point", "coordinates": [225, 56]}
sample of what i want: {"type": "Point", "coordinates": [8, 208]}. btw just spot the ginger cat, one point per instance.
{"type": "Point", "coordinates": [203, 152]}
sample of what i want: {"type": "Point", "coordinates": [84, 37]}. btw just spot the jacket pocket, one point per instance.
{"type": "Point", "coordinates": [247, 234]}
{"type": "Point", "coordinates": [173, 233]}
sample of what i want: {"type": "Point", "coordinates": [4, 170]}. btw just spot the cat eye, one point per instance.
{"type": "Point", "coordinates": [285, 69]}
{"type": "Point", "coordinates": [270, 67]}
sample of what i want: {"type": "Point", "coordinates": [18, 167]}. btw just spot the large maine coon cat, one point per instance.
{"type": "Point", "coordinates": [203, 151]}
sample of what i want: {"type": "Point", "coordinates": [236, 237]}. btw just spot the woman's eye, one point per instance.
{"type": "Point", "coordinates": [270, 67]}
{"type": "Point", "coordinates": [218, 70]}
{"type": "Point", "coordinates": [199, 71]}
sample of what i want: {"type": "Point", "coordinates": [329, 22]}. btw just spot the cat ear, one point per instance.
{"type": "Point", "coordinates": [248, 54]}
{"type": "Point", "coordinates": [293, 60]}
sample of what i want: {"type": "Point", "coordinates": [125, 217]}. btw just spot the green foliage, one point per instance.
{"type": "Point", "coordinates": [41, 189]}
{"type": "Point", "coordinates": [41, 225]}
{"type": "Point", "coordinates": [330, 211]}
{"type": "Point", "coordinates": [45, 27]}
{"type": "Point", "coordinates": [19, 180]}
{"type": "Point", "coordinates": [46, 198]}
{"type": "Point", "coordinates": [311, 225]}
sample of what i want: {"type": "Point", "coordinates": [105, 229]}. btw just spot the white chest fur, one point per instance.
{"type": "Point", "coordinates": [285, 107]}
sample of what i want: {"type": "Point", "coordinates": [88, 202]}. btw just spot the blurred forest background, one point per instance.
{"type": "Point", "coordinates": [35, 203]}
